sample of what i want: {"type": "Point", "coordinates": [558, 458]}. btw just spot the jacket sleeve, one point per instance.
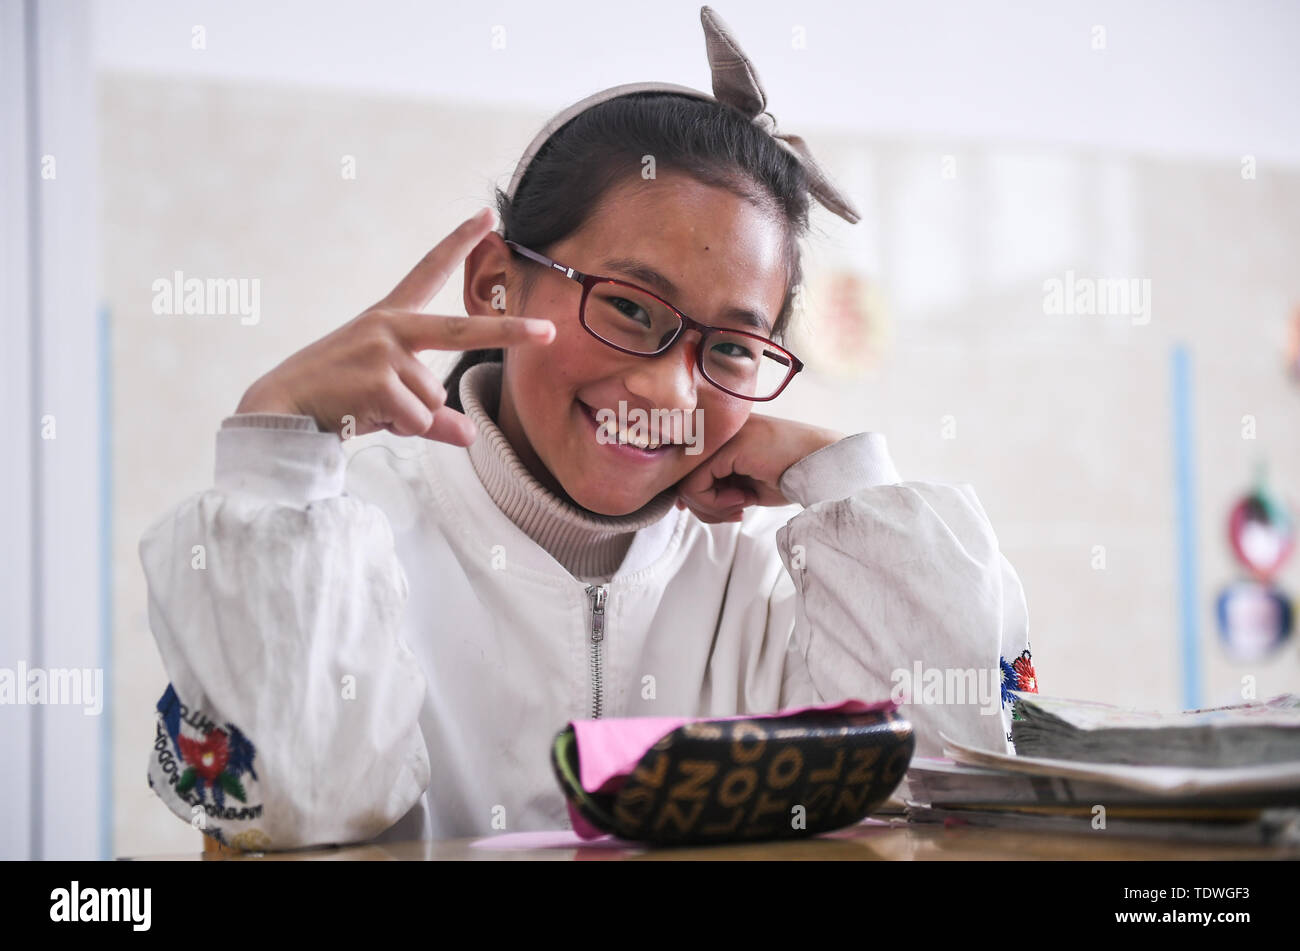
{"type": "Point", "coordinates": [900, 590]}
{"type": "Point", "coordinates": [291, 716]}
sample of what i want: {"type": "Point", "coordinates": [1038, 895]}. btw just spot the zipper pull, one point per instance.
{"type": "Point", "coordinates": [598, 593]}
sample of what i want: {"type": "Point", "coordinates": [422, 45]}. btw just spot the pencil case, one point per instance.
{"type": "Point", "coordinates": [680, 781]}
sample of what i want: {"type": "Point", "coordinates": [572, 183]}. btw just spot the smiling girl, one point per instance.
{"type": "Point", "coordinates": [386, 633]}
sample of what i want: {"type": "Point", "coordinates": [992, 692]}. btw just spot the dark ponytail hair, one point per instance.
{"type": "Point", "coordinates": [710, 141]}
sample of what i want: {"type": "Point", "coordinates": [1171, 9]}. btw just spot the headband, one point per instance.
{"type": "Point", "coordinates": [735, 83]}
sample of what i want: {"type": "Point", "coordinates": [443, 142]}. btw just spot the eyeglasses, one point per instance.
{"type": "Point", "coordinates": [633, 320]}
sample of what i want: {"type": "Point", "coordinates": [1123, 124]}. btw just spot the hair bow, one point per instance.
{"type": "Point", "coordinates": [736, 83]}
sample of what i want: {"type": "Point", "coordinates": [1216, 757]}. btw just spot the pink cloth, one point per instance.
{"type": "Point", "coordinates": [608, 750]}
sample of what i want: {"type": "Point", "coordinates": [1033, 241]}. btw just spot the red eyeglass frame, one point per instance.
{"type": "Point", "coordinates": [588, 281]}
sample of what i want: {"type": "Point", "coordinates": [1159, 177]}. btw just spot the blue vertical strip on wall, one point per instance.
{"type": "Point", "coordinates": [106, 581]}
{"type": "Point", "coordinates": [1185, 500]}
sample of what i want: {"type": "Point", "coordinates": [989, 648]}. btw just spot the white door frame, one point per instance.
{"type": "Point", "coordinates": [52, 586]}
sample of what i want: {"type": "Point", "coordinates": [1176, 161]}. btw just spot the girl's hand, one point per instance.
{"type": "Point", "coordinates": [746, 468]}
{"type": "Point", "coordinates": [367, 369]}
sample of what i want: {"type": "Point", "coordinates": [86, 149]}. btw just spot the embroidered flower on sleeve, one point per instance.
{"type": "Point", "coordinates": [211, 757]}
{"type": "Point", "coordinates": [1024, 668]}
{"type": "Point", "coordinates": [1018, 675]}
{"type": "Point", "coordinates": [207, 763]}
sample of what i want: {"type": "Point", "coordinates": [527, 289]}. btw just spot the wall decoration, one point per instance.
{"type": "Point", "coordinates": [1255, 616]}
{"type": "Point", "coordinates": [844, 331]}
{"type": "Point", "coordinates": [1254, 620]}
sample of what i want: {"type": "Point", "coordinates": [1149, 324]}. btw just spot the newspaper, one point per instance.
{"type": "Point", "coordinates": [1273, 827]}
{"type": "Point", "coordinates": [943, 782]}
{"type": "Point", "coordinates": [1282, 779]}
{"type": "Point", "coordinates": [1081, 730]}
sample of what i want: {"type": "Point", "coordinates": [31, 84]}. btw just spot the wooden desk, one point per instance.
{"type": "Point", "coordinates": [874, 840]}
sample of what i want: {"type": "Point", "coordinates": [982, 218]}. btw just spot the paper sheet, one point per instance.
{"type": "Point", "coordinates": [552, 839]}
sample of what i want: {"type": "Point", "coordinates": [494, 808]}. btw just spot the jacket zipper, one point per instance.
{"type": "Point", "coordinates": [597, 593]}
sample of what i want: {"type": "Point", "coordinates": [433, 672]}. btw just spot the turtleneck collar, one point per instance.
{"type": "Point", "coordinates": [588, 545]}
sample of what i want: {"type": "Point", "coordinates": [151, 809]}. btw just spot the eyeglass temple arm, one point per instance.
{"type": "Point", "coordinates": [543, 259]}
{"type": "Point", "coordinates": [789, 360]}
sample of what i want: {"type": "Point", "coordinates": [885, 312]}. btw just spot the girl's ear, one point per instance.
{"type": "Point", "coordinates": [486, 285]}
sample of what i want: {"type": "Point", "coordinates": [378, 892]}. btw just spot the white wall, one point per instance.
{"type": "Point", "coordinates": [1063, 424]}
{"type": "Point", "coordinates": [1207, 78]}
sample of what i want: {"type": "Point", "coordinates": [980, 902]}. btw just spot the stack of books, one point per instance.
{"type": "Point", "coordinates": [1227, 774]}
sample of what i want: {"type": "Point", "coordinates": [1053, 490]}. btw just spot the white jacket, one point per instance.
{"type": "Point", "coordinates": [361, 645]}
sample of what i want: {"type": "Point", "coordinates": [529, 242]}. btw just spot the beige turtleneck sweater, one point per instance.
{"type": "Point", "coordinates": [589, 546]}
